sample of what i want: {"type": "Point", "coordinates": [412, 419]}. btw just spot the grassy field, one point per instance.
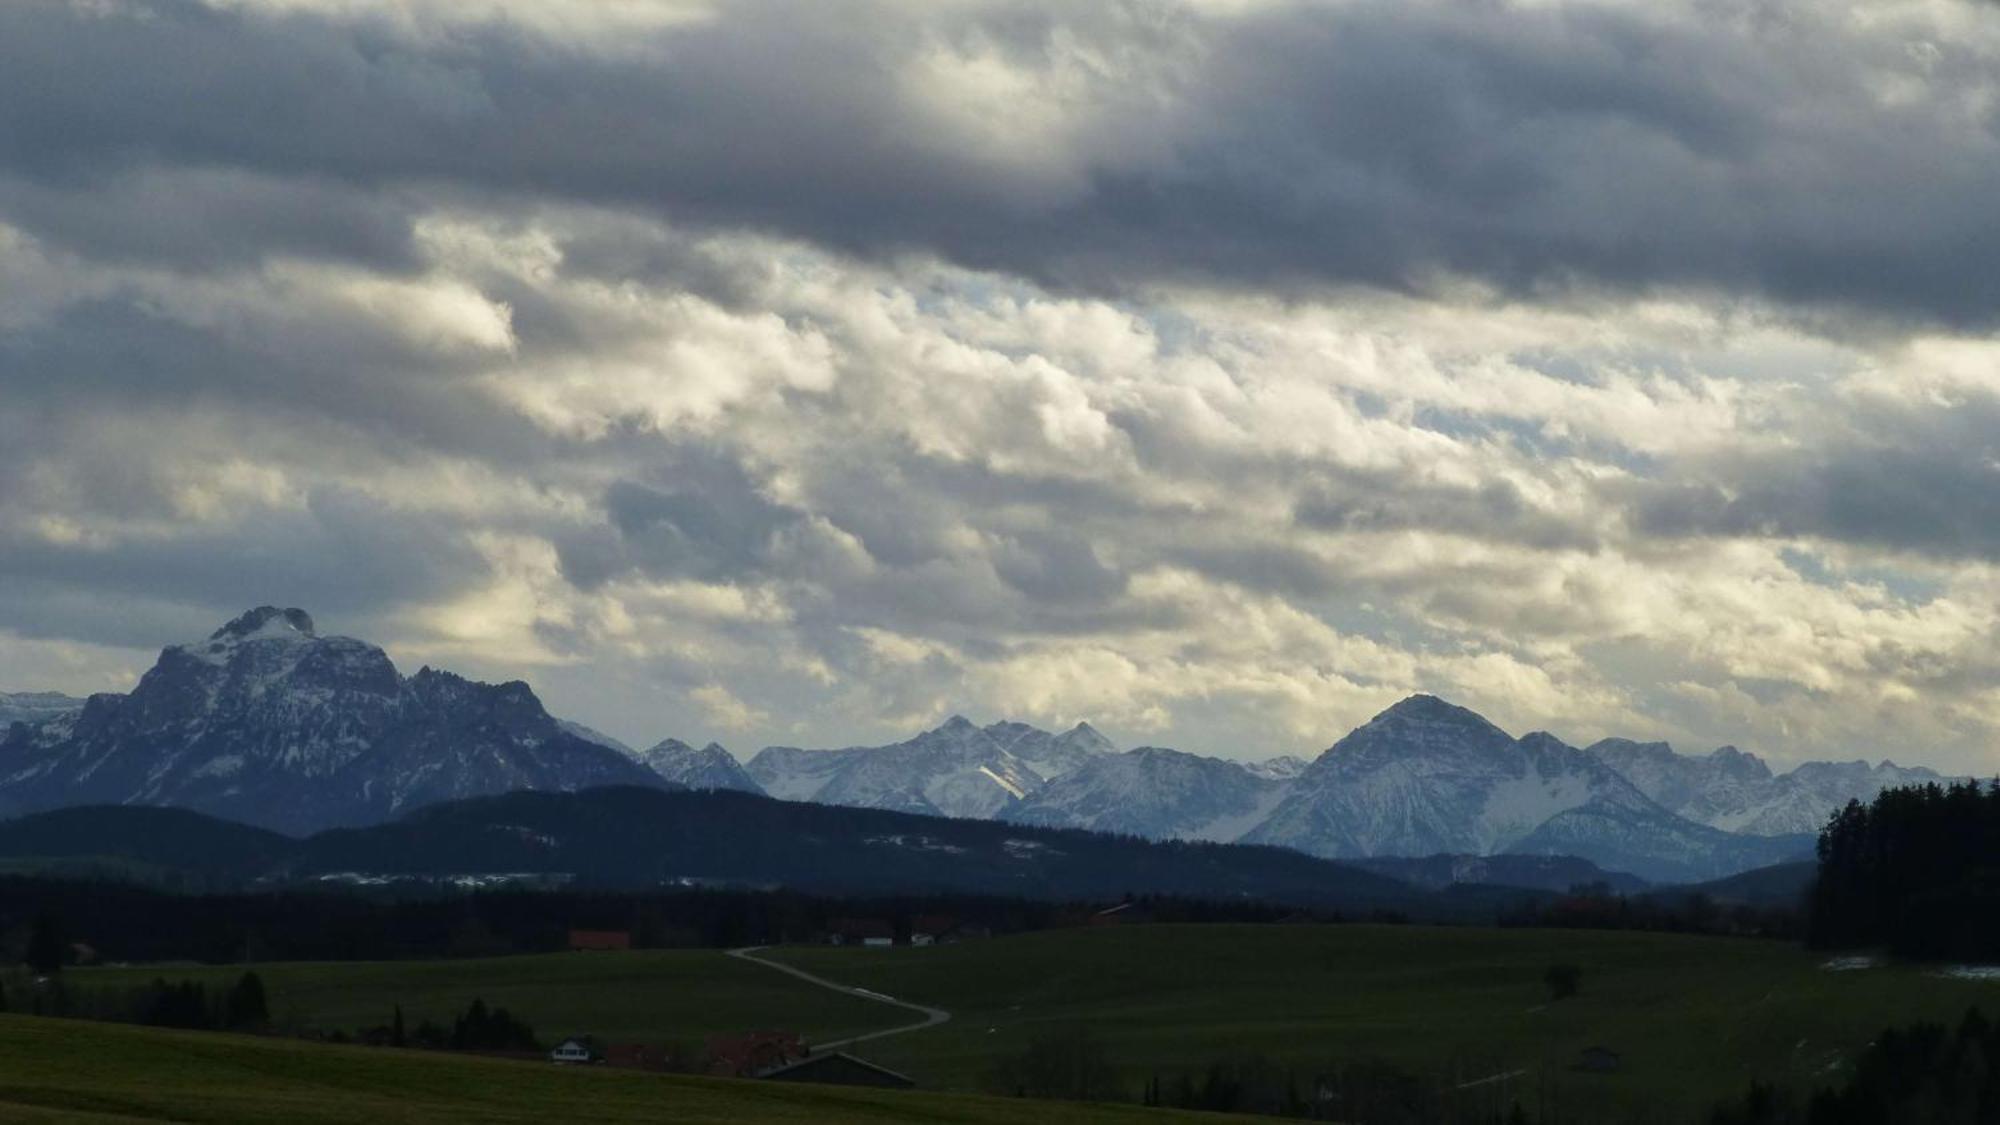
{"type": "Point", "coordinates": [653, 996]}
{"type": "Point", "coordinates": [1694, 1018]}
{"type": "Point", "coordinates": [68, 1071]}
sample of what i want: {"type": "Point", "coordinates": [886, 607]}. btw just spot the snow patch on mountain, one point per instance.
{"type": "Point", "coordinates": [957, 769]}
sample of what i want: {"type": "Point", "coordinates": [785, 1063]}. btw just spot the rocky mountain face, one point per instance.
{"type": "Point", "coordinates": [710, 767]}
{"type": "Point", "coordinates": [1737, 792]}
{"type": "Point", "coordinates": [1153, 792]}
{"type": "Point", "coordinates": [269, 723]}
{"type": "Point", "coordinates": [35, 707]}
{"type": "Point", "coordinates": [958, 769]}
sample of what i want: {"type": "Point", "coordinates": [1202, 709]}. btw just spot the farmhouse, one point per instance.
{"type": "Point", "coordinates": [838, 1068]}
{"type": "Point", "coordinates": [576, 1049]}
{"type": "Point", "coordinates": [603, 940]}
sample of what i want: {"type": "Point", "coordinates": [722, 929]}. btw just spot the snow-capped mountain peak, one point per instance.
{"type": "Point", "coordinates": [1426, 776]}
{"type": "Point", "coordinates": [710, 767]}
{"type": "Point", "coordinates": [268, 722]}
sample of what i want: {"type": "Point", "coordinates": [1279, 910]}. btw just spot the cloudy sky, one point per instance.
{"type": "Point", "coordinates": [1218, 371]}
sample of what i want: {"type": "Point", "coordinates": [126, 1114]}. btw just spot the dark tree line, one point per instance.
{"type": "Point", "coordinates": [188, 1004]}
{"type": "Point", "coordinates": [1916, 871]}
{"type": "Point", "coordinates": [41, 919]}
{"type": "Point", "coordinates": [1598, 907]}
{"type": "Point", "coordinates": [1923, 1073]}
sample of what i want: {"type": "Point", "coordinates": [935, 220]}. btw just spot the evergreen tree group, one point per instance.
{"type": "Point", "coordinates": [1916, 871]}
{"type": "Point", "coordinates": [1924, 1073]}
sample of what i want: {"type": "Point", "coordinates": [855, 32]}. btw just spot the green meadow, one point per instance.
{"type": "Point", "coordinates": [648, 996]}
{"type": "Point", "coordinates": [1694, 1019]}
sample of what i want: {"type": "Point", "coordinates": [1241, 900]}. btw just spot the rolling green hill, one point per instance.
{"type": "Point", "coordinates": [66, 1072]}
{"type": "Point", "coordinates": [1694, 1018]}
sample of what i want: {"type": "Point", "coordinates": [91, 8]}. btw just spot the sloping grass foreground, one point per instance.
{"type": "Point", "coordinates": [69, 1071]}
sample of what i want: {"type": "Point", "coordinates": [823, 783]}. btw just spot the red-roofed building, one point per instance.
{"type": "Point", "coordinates": [599, 939]}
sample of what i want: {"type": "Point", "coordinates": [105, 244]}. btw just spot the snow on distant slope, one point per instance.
{"type": "Point", "coordinates": [956, 769]}
{"type": "Point", "coordinates": [710, 767]}
{"type": "Point", "coordinates": [1737, 792]}
{"type": "Point", "coordinates": [1154, 792]}
{"type": "Point", "coordinates": [1284, 767]}
{"type": "Point", "coordinates": [1425, 777]}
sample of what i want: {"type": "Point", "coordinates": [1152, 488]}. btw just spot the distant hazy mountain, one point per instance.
{"type": "Point", "coordinates": [1154, 792]}
{"type": "Point", "coordinates": [35, 707]}
{"type": "Point", "coordinates": [269, 723]}
{"type": "Point", "coordinates": [710, 767]}
{"type": "Point", "coordinates": [958, 769]}
{"type": "Point", "coordinates": [1426, 777]}
{"type": "Point", "coordinates": [1737, 792]}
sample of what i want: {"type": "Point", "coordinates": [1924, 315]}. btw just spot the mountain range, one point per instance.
{"type": "Point", "coordinates": [267, 722]}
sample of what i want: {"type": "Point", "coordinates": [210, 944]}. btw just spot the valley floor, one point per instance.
{"type": "Point", "coordinates": [1692, 1019]}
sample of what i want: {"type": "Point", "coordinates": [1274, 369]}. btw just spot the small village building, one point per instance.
{"type": "Point", "coordinates": [576, 1049]}
{"type": "Point", "coordinates": [599, 940]}
{"type": "Point", "coordinates": [838, 1068]}
{"type": "Point", "coordinates": [932, 929]}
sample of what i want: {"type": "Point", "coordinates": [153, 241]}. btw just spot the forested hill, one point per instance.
{"type": "Point", "coordinates": [637, 838]}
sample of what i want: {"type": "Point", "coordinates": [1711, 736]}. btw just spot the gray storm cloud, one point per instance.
{"type": "Point", "coordinates": [1802, 154]}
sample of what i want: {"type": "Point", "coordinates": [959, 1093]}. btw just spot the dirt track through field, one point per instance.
{"type": "Point", "coordinates": [932, 1016]}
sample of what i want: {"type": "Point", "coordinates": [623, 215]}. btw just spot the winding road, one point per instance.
{"type": "Point", "coordinates": [932, 1016]}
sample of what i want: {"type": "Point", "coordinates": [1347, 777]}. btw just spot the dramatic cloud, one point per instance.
{"type": "Point", "coordinates": [1216, 372]}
